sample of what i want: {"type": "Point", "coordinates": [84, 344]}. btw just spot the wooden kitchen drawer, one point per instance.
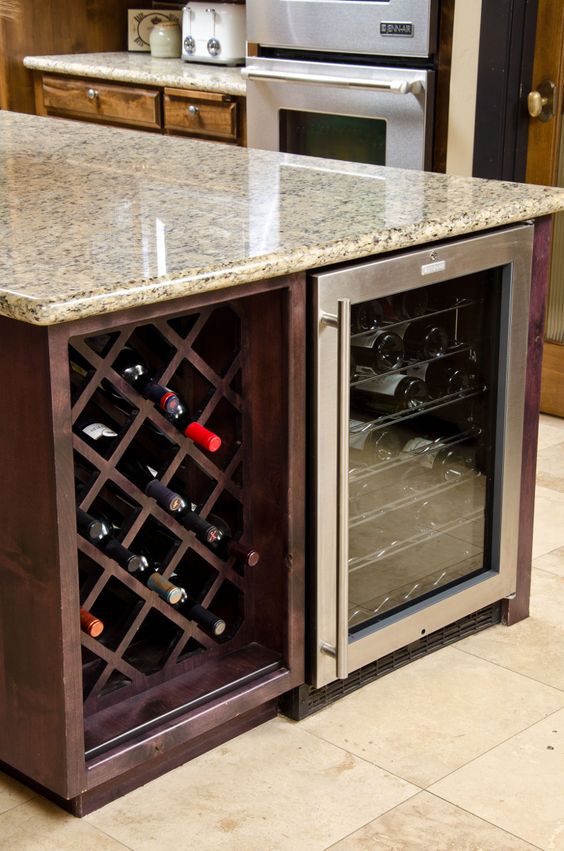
{"type": "Point", "coordinates": [111, 104]}
{"type": "Point", "coordinates": [203, 114]}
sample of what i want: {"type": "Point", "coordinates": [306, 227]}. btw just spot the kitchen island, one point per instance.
{"type": "Point", "coordinates": [193, 255]}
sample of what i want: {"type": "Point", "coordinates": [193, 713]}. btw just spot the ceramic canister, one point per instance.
{"type": "Point", "coordinates": [165, 40]}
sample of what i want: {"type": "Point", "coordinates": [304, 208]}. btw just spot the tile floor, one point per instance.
{"type": "Point", "coordinates": [461, 750]}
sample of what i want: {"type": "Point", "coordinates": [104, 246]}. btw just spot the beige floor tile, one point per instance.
{"type": "Point", "coordinates": [551, 431]}
{"type": "Point", "coordinates": [518, 786]}
{"type": "Point", "coordinates": [434, 715]}
{"type": "Point", "coordinates": [276, 787]}
{"type": "Point", "coordinates": [550, 467]}
{"type": "Point", "coordinates": [549, 521]}
{"type": "Point", "coordinates": [426, 822]}
{"type": "Point", "coordinates": [41, 826]}
{"type": "Point", "coordinates": [12, 793]}
{"type": "Point", "coordinates": [552, 562]}
{"type": "Point", "coordinates": [532, 647]}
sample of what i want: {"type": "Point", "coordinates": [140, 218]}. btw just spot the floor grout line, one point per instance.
{"type": "Point", "coordinates": [493, 748]}
{"type": "Point", "coordinates": [486, 821]}
{"type": "Point", "coordinates": [385, 813]}
{"type": "Point", "coordinates": [505, 668]}
{"type": "Point", "coordinates": [20, 804]}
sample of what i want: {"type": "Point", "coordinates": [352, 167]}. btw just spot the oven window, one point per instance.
{"type": "Point", "coordinates": [337, 137]}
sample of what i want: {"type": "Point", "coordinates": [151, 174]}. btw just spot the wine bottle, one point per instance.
{"type": "Point", "coordinates": [447, 463]}
{"type": "Point", "coordinates": [90, 624]}
{"type": "Point", "coordinates": [205, 531]}
{"type": "Point", "coordinates": [443, 376]}
{"type": "Point", "coordinates": [96, 434]}
{"type": "Point", "coordinates": [209, 622]}
{"type": "Point", "coordinates": [105, 541]}
{"type": "Point", "coordinates": [136, 372]}
{"type": "Point", "coordinates": [406, 305]}
{"type": "Point", "coordinates": [380, 352]}
{"type": "Point", "coordinates": [227, 546]}
{"type": "Point", "coordinates": [366, 316]}
{"type": "Point", "coordinates": [88, 526]}
{"type": "Point", "coordinates": [423, 339]}
{"type": "Point", "coordinates": [150, 574]}
{"type": "Point", "coordinates": [392, 393]}
{"type": "Point", "coordinates": [146, 480]}
{"type": "Point", "coordinates": [373, 445]}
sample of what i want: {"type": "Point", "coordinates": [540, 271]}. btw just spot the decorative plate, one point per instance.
{"type": "Point", "coordinates": [140, 24]}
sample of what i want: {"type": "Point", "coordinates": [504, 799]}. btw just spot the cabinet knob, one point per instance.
{"type": "Point", "coordinates": [540, 102]}
{"type": "Point", "coordinates": [193, 110]}
{"type": "Point", "coordinates": [92, 94]}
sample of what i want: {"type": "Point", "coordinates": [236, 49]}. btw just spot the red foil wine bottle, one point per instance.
{"type": "Point", "coordinates": [90, 624]}
{"type": "Point", "coordinates": [136, 372]}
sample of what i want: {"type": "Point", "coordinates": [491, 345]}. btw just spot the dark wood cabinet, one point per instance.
{"type": "Point", "coordinates": [86, 719]}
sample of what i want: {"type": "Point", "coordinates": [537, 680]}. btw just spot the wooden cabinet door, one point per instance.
{"type": "Point", "coordinates": [545, 164]}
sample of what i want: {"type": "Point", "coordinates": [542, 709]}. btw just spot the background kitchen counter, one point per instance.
{"type": "Point", "coordinates": [143, 68]}
{"type": "Point", "coordinates": [96, 221]}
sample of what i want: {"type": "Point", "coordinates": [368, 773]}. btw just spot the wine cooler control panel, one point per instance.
{"type": "Point", "coordinates": [426, 361]}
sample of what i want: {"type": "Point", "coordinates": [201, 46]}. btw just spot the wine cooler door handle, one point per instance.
{"type": "Point", "coordinates": [344, 359]}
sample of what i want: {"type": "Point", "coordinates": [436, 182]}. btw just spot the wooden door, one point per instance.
{"type": "Point", "coordinates": [545, 164]}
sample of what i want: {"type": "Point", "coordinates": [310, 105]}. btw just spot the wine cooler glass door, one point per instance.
{"type": "Point", "coordinates": [427, 441]}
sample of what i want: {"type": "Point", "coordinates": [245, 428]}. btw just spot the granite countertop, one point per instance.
{"type": "Point", "coordinates": [143, 68]}
{"type": "Point", "coordinates": [95, 222]}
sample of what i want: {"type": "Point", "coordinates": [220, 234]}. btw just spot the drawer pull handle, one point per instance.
{"type": "Point", "coordinates": [92, 94]}
{"type": "Point", "coordinates": [193, 110]}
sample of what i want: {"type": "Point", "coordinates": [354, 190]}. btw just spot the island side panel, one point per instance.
{"type": "Point", "coordinates": [40, 685]}
{"type": "Point", "coordinates": [518, 608]}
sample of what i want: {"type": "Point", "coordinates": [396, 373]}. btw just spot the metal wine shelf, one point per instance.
{"type": "Point", "coordinates": [370, 374]}
{"type": "Point", "coordinates": [387, 325]}
{"type": "Point", "coordinates": [361, 562]}
{"type": "Point", "coordinates": [368, 471]}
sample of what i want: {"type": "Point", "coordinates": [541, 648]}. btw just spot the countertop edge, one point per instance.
{"type": "Point", "coordinates": [106, 72]}
{"type": "Point", "coordinates": [189, 283]}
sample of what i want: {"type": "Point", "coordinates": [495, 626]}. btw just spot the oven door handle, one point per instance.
{"type": "Point", "coordinates": [396, 87]}
{"type": "Point", "coordinates": [342, 322]}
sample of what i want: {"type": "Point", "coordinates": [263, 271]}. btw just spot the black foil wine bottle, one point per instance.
{"type": "Point", "coordinates": [366, 316]}
{"type": "Point", "coordinates": [423, 339]}
{"type": "Point", "coordinates": [205, 619]}
{"type": "Point", "coordinates": [105, 540]}
{"type": "Point", "coordinates": [380, 352]}
{"type": "Point", "coordinates": [145, 478]}
{"type": "Point", "coordinates": [136, 372]}
{"type": "Point", "coordinates": [443, 376]}
{"type": "Point", "coordinates": [391, 393]}
{"type": "Point", "coordinates": [373, 445]}
{"type": "Point", "coordinates": [406, 305]}
{"type": "Point", "coordinates": [228, 546]}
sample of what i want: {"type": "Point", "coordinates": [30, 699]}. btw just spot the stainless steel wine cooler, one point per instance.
{"type": "Point", "coordinates": [419, 372]}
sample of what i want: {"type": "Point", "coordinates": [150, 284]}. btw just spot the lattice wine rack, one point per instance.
{"type": "Point", "coordinates": [156, 686]}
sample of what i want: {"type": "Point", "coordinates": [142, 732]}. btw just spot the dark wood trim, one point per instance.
{"type": "Point", "coordinates": [507, 44]}
{"type": "Point", "coordinates": [518, 608]}
{"type": "Point", "coordinates": [442, 96]}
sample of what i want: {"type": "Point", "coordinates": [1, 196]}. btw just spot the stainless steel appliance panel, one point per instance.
{"type": "Point", "coordinates": [395, 106]}
{"type": "Point", "coordinates": [394, 28]}
{"type": "Point", "coordinates": [343, 645]}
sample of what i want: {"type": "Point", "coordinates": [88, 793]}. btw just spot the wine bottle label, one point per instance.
{"type": "Point", "coordinates": [386, 385]}
{"type": "Point", "coordinates": [152, 471]}
{"type": "Point", "coordinates": [418, 371]}
{"type": "Point", "coordinates": [357, 434]}
{"type": "Point", "coordinates": [419, 449]}
{"type": "Point", "coordinates": [97, 430]}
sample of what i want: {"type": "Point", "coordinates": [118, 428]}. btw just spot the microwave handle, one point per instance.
{"type": "Point", "coordinates": [397, 87]}
{"type": "Point", "coordinates": [342, 322]}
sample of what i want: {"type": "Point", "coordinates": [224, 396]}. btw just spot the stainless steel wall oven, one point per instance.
{"type": "Point", "coordinates": [344, 79]}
